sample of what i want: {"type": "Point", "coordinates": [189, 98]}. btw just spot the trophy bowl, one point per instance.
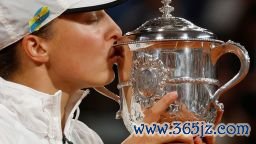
{"type": "Point", "coordinates": [168, 54]}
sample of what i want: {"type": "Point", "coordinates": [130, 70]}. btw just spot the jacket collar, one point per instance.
{"type": "Point", "coordinates": [37, 111]}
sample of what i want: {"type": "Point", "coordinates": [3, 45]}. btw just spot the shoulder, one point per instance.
{"type": "Point", "coordinates": [82, 132]}
{"type": "Point", "coordinates": [7, 117]}
{"type": "Point", "coordinates": [11, 129]}
{"type": "Point", "coordinates": [8, 134]}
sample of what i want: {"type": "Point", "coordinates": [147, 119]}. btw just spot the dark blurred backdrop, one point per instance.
{"type": "Point", "coordinates": [229, 19]}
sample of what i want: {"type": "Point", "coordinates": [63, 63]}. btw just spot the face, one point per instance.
{"type": "Point", "coordinates": [80, 50]}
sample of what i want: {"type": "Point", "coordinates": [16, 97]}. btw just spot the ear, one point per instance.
{"type": "Point", "coordinates": [35, 48]}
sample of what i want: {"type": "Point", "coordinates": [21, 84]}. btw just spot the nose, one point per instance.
{"type": "Point", "coordinates": [115, 31]}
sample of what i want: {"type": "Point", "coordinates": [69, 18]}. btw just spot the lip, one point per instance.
{"type": "Point", "coordinates": [116, 53]}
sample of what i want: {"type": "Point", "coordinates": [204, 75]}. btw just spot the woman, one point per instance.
{"type": "Point", "coordinates": [50, 50]}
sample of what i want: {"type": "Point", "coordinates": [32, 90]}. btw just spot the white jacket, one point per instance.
{"type": "Point", "coordinates": [28, 116]}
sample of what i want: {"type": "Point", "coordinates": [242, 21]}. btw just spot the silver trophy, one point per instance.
{"type": "Point", "coordinates": [168, 54]}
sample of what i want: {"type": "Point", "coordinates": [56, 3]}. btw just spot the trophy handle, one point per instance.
{"type": "Point", "coordinates": [242, 54]}
{"type": "Point", "coordinates": [104, 91]}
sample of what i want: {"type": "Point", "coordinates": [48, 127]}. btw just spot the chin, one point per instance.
{"type": "Point", "coordinates": [110, 79]}
{"type": "Point", "coordinates": [105, 79]}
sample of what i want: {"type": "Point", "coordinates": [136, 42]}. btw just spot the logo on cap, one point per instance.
{"type": "Point", "coordinates": [38, 19]}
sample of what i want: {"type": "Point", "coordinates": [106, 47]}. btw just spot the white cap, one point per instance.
{"type": "Point", "coordinates": [21, 17]}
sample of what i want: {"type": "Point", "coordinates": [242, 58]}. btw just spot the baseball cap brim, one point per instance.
{"type": "Point", "coordinates": [93, 5]}
{"type": "Point", "coordinates": [20, 19]}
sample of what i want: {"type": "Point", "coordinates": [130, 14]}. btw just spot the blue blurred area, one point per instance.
{"type": "Point", "coordinates": [229, 19]}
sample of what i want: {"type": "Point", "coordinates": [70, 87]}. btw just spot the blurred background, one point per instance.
{"type": "Point", "coordinates": [229, 20]}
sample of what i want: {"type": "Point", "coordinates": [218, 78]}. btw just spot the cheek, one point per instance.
{"type": "Point", "coordinates": [84, 58]}
{"type": "Point", "coordinates": [83, 46]}
{"type": "Point", "coordinates": [80, 55]}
